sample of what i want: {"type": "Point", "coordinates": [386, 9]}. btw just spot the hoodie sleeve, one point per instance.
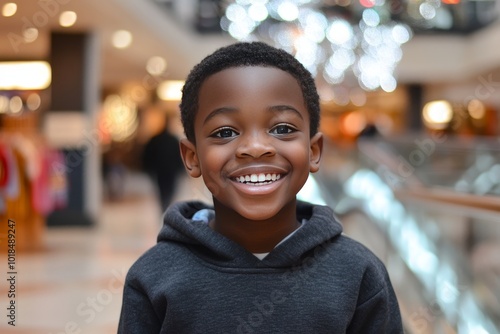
{"type": "Point", "coordinates": [137, 313]}
{"type": "Point", "coordinates": [377, 310]}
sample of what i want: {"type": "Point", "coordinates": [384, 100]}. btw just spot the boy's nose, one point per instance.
{"type": "Point", "coordinates": [255, 145]}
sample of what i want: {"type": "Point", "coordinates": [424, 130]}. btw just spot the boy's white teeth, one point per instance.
{"type": "Point", "coordinates": [258, 179]}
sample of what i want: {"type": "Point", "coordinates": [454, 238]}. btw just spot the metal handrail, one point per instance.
{"type": "Point", "coordinates": [432, 199]}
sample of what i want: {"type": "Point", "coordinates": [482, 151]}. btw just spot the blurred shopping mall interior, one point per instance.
{"type": "Point", "coordinates": [410, 103]}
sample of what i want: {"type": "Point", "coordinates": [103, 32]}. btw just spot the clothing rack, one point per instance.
{"type": "Point", "coordinates": [32, 182]}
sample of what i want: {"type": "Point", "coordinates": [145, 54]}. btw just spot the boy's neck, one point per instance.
{"type": "Point", "coordinates": [255, 236]}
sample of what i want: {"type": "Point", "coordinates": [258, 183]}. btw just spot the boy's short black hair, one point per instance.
{"type": "Point", "coordinates": [246, 54]}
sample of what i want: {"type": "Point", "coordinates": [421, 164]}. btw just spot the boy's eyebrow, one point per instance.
{"type": "Point", "coordinates": [278, 108]}
{"type": "Point", "coordinates": [218, 111]}
{"type": "Point", "coordinates": [286, 108]}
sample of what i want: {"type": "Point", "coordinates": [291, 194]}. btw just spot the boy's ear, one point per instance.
{"type": "Point", "coordinates": [189, 157]}
{"type": "Point", "coordinates": [315, 152]}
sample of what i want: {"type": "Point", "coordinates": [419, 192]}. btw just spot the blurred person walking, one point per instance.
{"type": "Point", "coordinates": [162, 161]}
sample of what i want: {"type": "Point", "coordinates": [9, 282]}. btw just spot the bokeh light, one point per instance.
{"type": "Point", "coordinates": [437, 114]}
{"type": "Point", "coordinates": [122, 39]}
{"type": "Point", "coordinates": [330, 46]}
{"type": "Point", "coordinates": [9, 9]}
{"type": "Point", "coordinates": [67, 19]}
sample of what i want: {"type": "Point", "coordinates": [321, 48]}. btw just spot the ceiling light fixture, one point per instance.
{"type": "Point", "coordinates": [67, 19]}
{"type": "Point", "coordinates": [30, 34]}
{"type": "Point", "coordinates": [9, 9]}
{"type": "Point", "coordinates": [156, 65]}
{"type": "Point", "coordinates": [24, 75]}
{"type": "Point", "coordinates": [122, 39]}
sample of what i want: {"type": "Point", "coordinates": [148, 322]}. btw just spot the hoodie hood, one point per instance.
{"type": "Point", "coordinates": [319, 226]}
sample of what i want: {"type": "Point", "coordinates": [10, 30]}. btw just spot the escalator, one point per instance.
{"type": "Point", "coordinates": [431, 212]}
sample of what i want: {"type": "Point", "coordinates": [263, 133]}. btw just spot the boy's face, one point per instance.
{"type": "Point", "coordinates": [253, 145]}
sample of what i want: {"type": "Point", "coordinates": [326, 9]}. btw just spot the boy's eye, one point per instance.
{"type": "Point", "coordinates": [282, 129]}
{"type": "Point", "coordinates": [224, 133]}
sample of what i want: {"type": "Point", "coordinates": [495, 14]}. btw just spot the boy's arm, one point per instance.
{"type": "Point", "coordinates": [137, 313]}
{"type": "Point", "coordinates": [379, 314]}
{"type": "Point", "coordinates": [378, 309]}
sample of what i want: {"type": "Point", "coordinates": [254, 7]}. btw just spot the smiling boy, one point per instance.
{"type": "Point", "coordinates": [257, 261]}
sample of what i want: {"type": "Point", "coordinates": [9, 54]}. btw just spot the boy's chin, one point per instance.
{"type": "Point", "coordinates": [258, 212]}
{"type": "Point", "coordinates": [258, 216]}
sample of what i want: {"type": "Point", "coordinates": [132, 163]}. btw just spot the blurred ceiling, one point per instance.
{"type": "Point", "coordinates": [155, 33]}
{"type": "Point", "coordinates": [423, 16]}
{"type": "Point", "coordinates": [183, 32]}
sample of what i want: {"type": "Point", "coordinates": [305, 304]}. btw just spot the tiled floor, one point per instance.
{"type": "Point", "coordinates": [74, 284]}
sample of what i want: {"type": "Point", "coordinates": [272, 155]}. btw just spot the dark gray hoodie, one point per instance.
{"type": "Point", "coordinates": [317, 281]}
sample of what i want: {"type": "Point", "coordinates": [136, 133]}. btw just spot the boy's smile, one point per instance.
{"type": "Point", "coordinates": [253, 145]}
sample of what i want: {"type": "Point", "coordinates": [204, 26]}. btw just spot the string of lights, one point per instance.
{"type": "Point", "coordinates": [333, 44]}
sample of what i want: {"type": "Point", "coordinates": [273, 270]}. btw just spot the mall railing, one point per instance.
{"type": "Point", "coordinates": [437, 205]}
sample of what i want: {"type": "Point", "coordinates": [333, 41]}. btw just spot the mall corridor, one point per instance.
{"type": "Point", "coordinates": [409, 104]}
